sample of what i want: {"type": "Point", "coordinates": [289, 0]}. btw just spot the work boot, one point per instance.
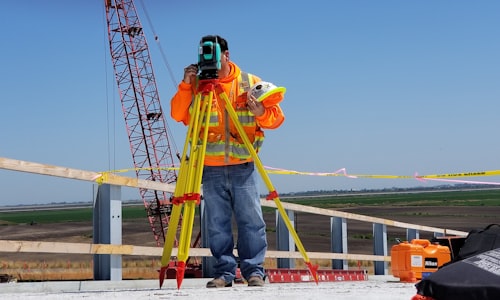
{"type": "Point", "coordinates": [218, 283]}
{"type": "Point", "coordinates": [255, 281]}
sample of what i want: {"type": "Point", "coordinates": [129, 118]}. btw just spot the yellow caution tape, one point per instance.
{"type": "Point", "coordinates": [340, 173]}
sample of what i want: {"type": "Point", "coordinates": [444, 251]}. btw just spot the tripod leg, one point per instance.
{"type": "Point", "coordinates": [169, 240]}
{"type": "Point", "coordinates": [272, 191]}
{"type": "Point", "coordinates": [180, 191]}
{"type": "Point", "coordinates": [192, 195]}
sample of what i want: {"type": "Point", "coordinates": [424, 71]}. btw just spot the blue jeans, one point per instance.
{"type": "Point", "coordinates": [227, 190]}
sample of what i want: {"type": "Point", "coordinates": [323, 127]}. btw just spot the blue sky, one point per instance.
{"type": "Point", "coordinates": [376, 87]}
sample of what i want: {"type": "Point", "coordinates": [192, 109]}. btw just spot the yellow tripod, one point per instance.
{"type": "Point", "coordinates": [187, 190]}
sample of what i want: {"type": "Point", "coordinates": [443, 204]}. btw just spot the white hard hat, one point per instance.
{"type": "Point", "coordinates": [267, 93]}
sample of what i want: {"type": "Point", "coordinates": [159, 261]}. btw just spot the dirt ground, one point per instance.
{"type": "Point", "coordinates": [313, 230]}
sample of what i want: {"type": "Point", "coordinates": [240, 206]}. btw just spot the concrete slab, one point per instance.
{"type": "Point", "coordinates": [377, 287]}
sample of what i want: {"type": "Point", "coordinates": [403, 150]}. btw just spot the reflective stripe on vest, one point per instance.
{"type": "Point", "coordinates": [244, 116]}
{"type": "Point", "coordinates": [236, 149]}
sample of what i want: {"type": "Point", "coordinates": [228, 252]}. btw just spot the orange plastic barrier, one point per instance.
{"type": "Point", "coordinates": [412, 261]}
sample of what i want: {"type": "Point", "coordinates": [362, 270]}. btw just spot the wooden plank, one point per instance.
{"type": "Point", "coordinates": [326, 255]}
{"type": "Point", "coordinates": [82, 248]}
{"type": "Point", "coordinates": [74, 248]}
{"type": "Point", "coordinates": [102, 177]}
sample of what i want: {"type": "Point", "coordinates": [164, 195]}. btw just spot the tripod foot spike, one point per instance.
{"type": "Point", "coordinates": [181, 268]}
{"type": "Point", "coordinates": [314, 271]}
{"type": "Point", "coordinates": [163, 273]}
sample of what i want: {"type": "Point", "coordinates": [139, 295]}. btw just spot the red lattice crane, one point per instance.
{"type": "Point", "coordinates": [144, 118]}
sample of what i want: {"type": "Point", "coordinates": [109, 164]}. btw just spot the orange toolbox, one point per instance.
{"type": "Point", "coordinates": [412, 261]}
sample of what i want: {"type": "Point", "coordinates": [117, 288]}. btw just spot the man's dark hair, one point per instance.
{"type": "Point", "coordinates": [222, 43]}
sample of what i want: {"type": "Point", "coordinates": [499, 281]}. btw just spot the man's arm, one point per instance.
{"type": "Point", "coordinates": [179, 105]}
{"type": "Point", "coordinates": [272, 118]}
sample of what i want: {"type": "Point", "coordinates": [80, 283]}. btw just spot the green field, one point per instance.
{"type": "Point", "coordinates": [445, 198]}
{"type": "Point", "coordinates": [64, 215]}
{"type": "Point", "coordinates": [431, 198]}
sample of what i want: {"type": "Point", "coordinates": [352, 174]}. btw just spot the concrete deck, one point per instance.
{"type": "Point", "coordinates": [376, 287]}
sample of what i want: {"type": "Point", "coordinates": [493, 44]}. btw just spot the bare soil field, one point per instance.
{"type": "Point", "coordinates": [313, 231]}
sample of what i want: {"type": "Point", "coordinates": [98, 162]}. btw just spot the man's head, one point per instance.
{"type": "Point", "coordinates": [221, 59]}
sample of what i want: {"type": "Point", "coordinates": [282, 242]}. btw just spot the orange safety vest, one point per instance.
{"type": "Point", "coordinates": [224, 144]}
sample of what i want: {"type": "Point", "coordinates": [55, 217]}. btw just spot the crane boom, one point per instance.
{"type": "Point", "coordinates": [144, 118]}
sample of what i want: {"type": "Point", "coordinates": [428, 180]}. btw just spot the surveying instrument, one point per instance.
{"type": "Point", "coordinates": [187, 194]}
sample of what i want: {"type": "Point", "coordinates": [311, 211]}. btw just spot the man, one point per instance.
{"type": "Point", "coordinates": [230, 183]}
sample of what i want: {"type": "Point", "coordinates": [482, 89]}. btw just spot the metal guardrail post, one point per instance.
{"type": "Point", "coordinates": [107, 229]}
{"type": "Point", "coordinates": [412, 234]}
{"type": "Point", "coordinates": [438, 234]}
{"type": "Point", "coordinates": [284, 240]}
{"type": "Point", "coordinates": [338, 231]}
{"type": "Point", "coordinates": [380, 248]}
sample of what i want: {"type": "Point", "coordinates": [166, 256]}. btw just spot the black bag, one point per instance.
{"type": "Point", "coordinates": [473, 278]}
{"type": "Point", "coordinates": [473, 274]}
{"type": "Point", "coordinates": [479, 241]}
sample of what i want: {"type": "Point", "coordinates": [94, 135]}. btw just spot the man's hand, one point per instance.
{"type": "Point", "coordinates": [190, 73]}
{"type": "Point", "coordinates": [254, 106]}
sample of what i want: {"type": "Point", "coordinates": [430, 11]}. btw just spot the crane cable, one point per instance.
{"type": "Point", "coordinates": [110, 148]}
{"type": "Point", "coordinates": [157, 39]}
{"type": "Point", "coordinates": [165, 61]}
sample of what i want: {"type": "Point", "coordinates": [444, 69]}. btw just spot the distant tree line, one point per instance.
{"type": "Point", "coordinates": [446, 187]}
